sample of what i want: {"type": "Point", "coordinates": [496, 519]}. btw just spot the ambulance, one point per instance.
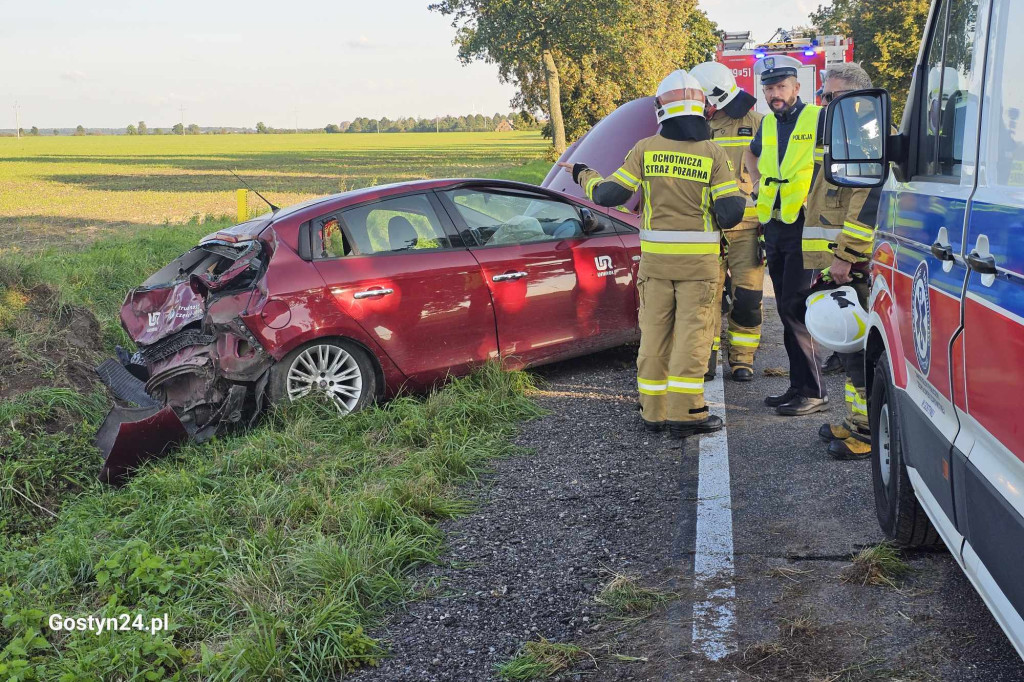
{"type": "Point", "coordinates": [945, 337]}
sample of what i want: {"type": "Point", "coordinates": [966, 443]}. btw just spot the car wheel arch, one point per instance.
{"type": "Point", "coordinates": [375, 361]}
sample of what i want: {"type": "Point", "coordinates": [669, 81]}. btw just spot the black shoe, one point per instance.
{"type": "Point", "coordinates": [683, 429]}
{"type": "Point", "coordinates": [829, 433]}
{"type": "Point", "coordinates": [801, 405]}
{"type": "Point", "coordinates": [742, 374]}
{"type": "Point", "coordinates": [776, 400]}
{"type": "Point", "coordinates": [849, 449]}
{"type": "Point", "coordinates": [833, 365]}
{"type": "Point", "coordinates": [653, 427]}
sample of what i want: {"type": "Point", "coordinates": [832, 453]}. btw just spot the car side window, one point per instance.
{"type": "Point", "coordinates": [398, 225]}
{"type": "Point", "coordinates": [948, 91]}
{"type": "Point", "coordinates": [496, 218]}
{"type": "Point", "coordinates": [1007, 112]}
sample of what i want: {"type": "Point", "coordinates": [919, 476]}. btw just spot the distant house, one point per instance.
{"type": "Point", "coordinates": [505, 126]}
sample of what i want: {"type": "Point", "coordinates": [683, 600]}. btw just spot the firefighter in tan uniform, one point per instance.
{"type": "Point", "coordinates": [730, 111]}
{"type": "Point", "coordinates": [838, 235]}
{"type": "Point", "coordinates": [689, 196]}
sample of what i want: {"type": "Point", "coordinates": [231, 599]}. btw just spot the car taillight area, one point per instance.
{"type": "Point", "coordinates": [195, 354]}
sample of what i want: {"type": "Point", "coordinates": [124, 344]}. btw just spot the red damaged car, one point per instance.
{"type": "Point", "coordinates": [363, 294]}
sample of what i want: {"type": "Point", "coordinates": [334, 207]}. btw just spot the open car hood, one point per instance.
{"type": "Point", "coordinates": [605, 145]}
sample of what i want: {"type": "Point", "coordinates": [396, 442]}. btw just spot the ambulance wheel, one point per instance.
{"type": "Point", "coordinates": [336, 368]}
{"type": "Point", "coordinates": [901, 516]}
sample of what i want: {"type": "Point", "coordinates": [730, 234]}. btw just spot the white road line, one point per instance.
{"type": "Point", "coordinates": [714, 613]}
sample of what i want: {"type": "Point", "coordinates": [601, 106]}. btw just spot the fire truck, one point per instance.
{"type": "Point", "coordinates": [740, 53]}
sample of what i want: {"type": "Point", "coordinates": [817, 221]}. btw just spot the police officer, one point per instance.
{"type": "Point", "coordinates": [838, 234]}
{"type": "Point", "coordinates": [781, 163]}
{"type": "Point", "coordinates": [730, 111]}
{"type": "Point", "coordinates": [689, 195]}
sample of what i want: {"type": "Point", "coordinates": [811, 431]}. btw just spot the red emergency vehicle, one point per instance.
{"type": "Point", "coordinates": [740, 53]}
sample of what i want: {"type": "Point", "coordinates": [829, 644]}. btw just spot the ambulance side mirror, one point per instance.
{"type": "Point", "coordinates": [857, 139]}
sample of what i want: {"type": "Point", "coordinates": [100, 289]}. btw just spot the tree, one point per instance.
{"type": "Point", "coordinates": [158, 131]}
{"type": "Point", "coordinates": [886, 37]}
{"type": "Point", "coordinates": [523, 39]}
{"type": "Point", "coordinates": [79, 130]}
{"type": "Point", "coordinates": [193, 129]}
{"type": "Point", "coordinates": [332, 128]}
{"type": "Point", "coordinates": [261, 128]}
{"type": "Point", "coordinates": [131, 130]}
{"type": "Point", "coordinates": [143, 130]}
{"type": "Point", "coordinates": [56, 132]}
{"type": "Point", "coordinates": [651, 38]}
{"type": "Point", "coordinates": [34, 131]}
{"type": "Point", "coordinates": [177, 129]}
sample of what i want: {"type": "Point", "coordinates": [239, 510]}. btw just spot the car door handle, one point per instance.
{"type": "Point", "coordinates": [508, 276]}
{"type": "Point", "coordinates": [983, 265]}
{"type": "Point", "coordinates": [370, 293]}
{"type": "Point", "coordinates": [943, 252]}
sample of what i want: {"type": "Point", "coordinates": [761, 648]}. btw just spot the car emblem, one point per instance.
{"type": "Point", "coordinates": [921, 315]}
{"type": "Point", "coordinates": [603, 263]}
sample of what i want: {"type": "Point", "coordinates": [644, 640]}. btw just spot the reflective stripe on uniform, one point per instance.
{"type": "Point", "coordinates": [686, 385]}
{"type": "Point", "coordinates": [705, 209]}
{"type": "Point", "coordinates": [860, 405]}
{"type": "Point", "coordinates": [858, 231]}
{"type": "Point", "coordinates": [680, 242]}
{"type": "Point", "coordinates": [651, 387]}
{"type": "Point", "coordinates": [851, 392]}
{"type": "Point", "coordinates": [647, 205]}
{"type": "Point", "coordinates": [733, 141]}
{"type": "Point", "coordinates": [717, 343]}
{"type": "Point", "coordinates": [627, 178]}
{"type": "Point", "coordinates": [819, 238]}
{"type": "Point", "coordinates": [749, 212]}
{"type": "Point", "coordinates": [684, 108]}
{"type": "Point", "coordinates": [819, 154]}
{"type": "Point", "coordinates": [746, 340]}
{"type": "Point", "coordinates": [718, 191]}
{"type": "Point", "coordinates": [591, 184]}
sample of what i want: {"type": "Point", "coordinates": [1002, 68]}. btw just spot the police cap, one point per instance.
{"type": "Point", "coordinates": [775, 68]}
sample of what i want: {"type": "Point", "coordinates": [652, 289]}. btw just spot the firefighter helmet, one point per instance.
{"type": "Point", "coordinates": [717, 81]}
{"type": "Point", "coordinates": [679, 94]}
{"type": "Point", "coordinates": [836, 319]}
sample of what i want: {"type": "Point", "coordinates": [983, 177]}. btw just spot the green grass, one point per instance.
{"type": "Point", "coordinates": [62, 190]}
{"type": "Point", "coordinates": [626, 597]}
{"type": "Point", "coordinates": [879, 565]}
{"type": "Point", "coordinates": [540, 660]}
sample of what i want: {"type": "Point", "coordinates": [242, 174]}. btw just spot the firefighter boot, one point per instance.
{"type": "Point", "coordinates": [849, 449]}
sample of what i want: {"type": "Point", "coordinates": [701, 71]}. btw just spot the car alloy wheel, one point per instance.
{"type": "Point", "coordinates": [884, 446]}
{"type": "Point", "coordinates": [329, 369]}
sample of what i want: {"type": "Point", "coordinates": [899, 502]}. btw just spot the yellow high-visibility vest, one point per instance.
{"type": "Point", "coordinates": [791, 179]}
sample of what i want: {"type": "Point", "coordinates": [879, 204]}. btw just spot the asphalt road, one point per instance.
{"type": "Point", "coordinates": [598, 496]}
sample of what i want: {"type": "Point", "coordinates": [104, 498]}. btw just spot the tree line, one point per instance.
{"type": "Point", "coordinates": [473, 123]}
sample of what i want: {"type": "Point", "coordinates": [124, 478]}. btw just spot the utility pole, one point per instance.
{"type": "Point", "coordinates": [182, 109]}
{"type": "Point", "coordinates": [296, 112]}
{"type": "Point", "coordinates": [17, 121]}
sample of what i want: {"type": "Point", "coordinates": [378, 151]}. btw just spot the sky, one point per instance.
{"type": "Point", "coordinates": [108, 63]}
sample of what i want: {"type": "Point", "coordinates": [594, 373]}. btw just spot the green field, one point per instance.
{"type": "Point", "coordinates": [61, 190]}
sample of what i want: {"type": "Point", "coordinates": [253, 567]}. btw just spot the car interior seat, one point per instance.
{"type": "Point", "coordinates": [517, 230]}
{"type": "Point", "coordinates": [402, 236]}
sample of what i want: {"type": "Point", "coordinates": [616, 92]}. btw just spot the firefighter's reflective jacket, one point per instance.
{"type": "Point", "coordinates": [689, 194]}
{"type": "Point", "coordinates": [733, 135]}
{"type": "Point", "coordinates": [839, 221]}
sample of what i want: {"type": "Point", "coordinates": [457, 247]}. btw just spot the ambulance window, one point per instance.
{"type": "Point", "coordinates": [950, 90]}
{"type": "Point", "coordinates": [1007, 111]}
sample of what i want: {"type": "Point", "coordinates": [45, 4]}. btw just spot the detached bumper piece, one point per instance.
{"type": "Point", "coordinates": [131, 435]}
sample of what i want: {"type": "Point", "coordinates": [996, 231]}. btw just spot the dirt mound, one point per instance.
{"type": "Point", "coordinates": [45, 343]}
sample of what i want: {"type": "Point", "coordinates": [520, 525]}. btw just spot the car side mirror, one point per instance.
{"type": "Point", "coordinates": [590, 222]}
{"type": "Point", "coordinates": [858, 142]}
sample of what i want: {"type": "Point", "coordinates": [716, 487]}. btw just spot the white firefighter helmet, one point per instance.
{"type": "Point", "coordinates": [717, 81]}
{"type": "Point", "coordinates": [679, 94]}
{"type": "Point", "coordinates": [836, 320]}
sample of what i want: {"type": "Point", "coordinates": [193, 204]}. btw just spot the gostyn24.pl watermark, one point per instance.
{"type": "Point", "coordinates": [94, 624]}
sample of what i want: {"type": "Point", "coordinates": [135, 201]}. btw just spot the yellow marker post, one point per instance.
{"type": "Point", "coordinates": [242, 197]}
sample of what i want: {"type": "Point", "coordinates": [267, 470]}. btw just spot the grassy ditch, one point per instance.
{"type": "Point", "coordinates": [270, 552]}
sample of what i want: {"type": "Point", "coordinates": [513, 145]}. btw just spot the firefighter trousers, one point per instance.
{"type": "Point", "coordinates": [743, 261]}
{"type": "Point", "coordinates": [784, 246]}
{"type": "Point", "coordinates": [677, 323]}
{"type": "Point", "coordinates": [856, 379]}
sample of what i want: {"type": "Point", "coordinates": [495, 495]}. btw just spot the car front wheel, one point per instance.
{"type": "Point", "coordinates": [337, 368]}
{"type": "Point", "coordinates": [899, 513]}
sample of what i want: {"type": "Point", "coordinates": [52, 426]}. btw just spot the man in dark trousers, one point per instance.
{"type": "Point", "coordinates": [781, 164]}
